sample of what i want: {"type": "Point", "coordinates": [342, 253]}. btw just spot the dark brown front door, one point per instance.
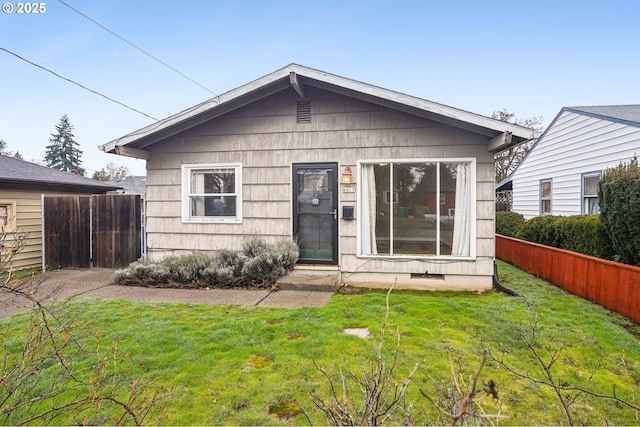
{"type": "Point", "coordinates": [315, 212]}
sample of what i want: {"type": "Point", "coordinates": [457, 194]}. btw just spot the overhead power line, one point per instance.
{"type": "Point", "coordinates": [77, 84]}
{"type": "Point", "coordinates": [138, 48]}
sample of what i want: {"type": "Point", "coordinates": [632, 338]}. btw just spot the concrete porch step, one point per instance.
{"type": "Point", "coordinates": [310, 280]}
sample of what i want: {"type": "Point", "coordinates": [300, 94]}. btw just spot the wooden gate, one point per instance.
{"type": "Point", "coordinates": [92, 231]}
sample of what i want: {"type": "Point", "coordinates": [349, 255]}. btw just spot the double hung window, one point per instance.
{"type": "Point", "coordinates": [590, 203]}
{"type": "Point", "coordinates": [212, 193]}
{"type": "Point", "coordinates": [545, 197]}
{"type": "Point", "coordinates": [417, 208]}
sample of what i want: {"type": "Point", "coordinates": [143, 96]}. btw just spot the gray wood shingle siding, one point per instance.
{"type": "Point", "coordinates": [266, 139]}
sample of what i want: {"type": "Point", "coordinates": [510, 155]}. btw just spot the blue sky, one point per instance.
{"type": "Point", "coordinates": [529, 57]}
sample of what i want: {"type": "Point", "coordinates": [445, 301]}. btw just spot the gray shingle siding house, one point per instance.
{"type": "Point", "coordinates": [383, 186]}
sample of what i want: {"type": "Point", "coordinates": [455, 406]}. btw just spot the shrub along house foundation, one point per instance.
{"type": "Point", "coordinates": [382, 186]}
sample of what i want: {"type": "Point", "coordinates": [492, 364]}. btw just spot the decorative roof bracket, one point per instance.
{"type": "Point", "coordinates": [297, 85]}
{"type": "Point", "coordinates": [500, 142]}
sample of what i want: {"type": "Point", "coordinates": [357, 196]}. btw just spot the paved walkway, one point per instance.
{"type": "Point", "coordinates": [97, 283]}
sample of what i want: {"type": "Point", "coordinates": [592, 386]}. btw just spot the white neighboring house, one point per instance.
{"type": "Point", "coordinates": [559, 175]}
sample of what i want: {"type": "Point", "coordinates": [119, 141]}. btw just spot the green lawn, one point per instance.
{"type": "Point", "coordinates": [201, 354]}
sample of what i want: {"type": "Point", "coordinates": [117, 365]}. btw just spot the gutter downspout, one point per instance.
{"type": "Point", "coordinates": [497, 284]}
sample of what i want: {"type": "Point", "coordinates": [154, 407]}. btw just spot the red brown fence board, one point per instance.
{"type": "Point", "coordinates": [613, 285]}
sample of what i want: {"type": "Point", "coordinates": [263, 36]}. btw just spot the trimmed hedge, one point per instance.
{"type": "Point", "coordinates": [619, 195]}
{"type": "Point", "coordinates": [540, 229]}
{"type": "Point", "coordinates": [584, 234]}
{"type": "Point", "coordinates": [578, 233]}
{"type": "Point", "coordinates": [256, 265]}
{"type": "Point", "coordinates": [509, 223]}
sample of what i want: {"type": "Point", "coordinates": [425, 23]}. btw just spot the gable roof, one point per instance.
{"type": "Point", "coordinates": [624, 114]}
{"type": "Point", "coordinates": [298, 76]}
{"type": "Point", "coordinates": [131, 184]}
{"type": "Point", "coordinates": [19, 172]}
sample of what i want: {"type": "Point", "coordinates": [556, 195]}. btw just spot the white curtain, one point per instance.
{"type": "Point", "coordinates": [368, 214]}
{"type": "Point", "coordinates": [461, 245]}
{"type": "Point", "coordinates": [197, 187]}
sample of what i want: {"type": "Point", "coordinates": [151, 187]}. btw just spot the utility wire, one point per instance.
{"type": "Point", "coordinates": [138, 48]}
{"type": "Point", "coordinates": [77, 84]}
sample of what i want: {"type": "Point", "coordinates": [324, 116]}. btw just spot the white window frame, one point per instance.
{"type": "Point", "coordinates": [11, 215]}
{"type": "Point", "coordinates": [473, 197]}
{"type": "Point", "coordinates": [585, 197]}
{"type": "Point", "coordinates": [550, 198]}
{"type": "Point", "coordinates": [186, 193]}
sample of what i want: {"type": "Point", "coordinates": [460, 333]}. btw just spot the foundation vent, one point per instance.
{"type": "Point", "coordinates": [303, 112]}
{"type": "Point", "coordinates": [427, 275]}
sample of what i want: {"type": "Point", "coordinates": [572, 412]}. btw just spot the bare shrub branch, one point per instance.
{"type": "Point", "coordinates": [51, 372]}
{"type": "Point", "coordinates": [544, 374]}
{"type": "Point", "coordinates": [460, 404]}
{"type": "Point", "coordinates": [369, 395]}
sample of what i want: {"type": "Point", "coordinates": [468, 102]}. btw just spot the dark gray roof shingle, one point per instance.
{"type": "Point", "coordinates": [627, 113]}
{"type": "Point", "coordinates": [131, 184]}
{"type": "Point", "coordinates": [14, 171]}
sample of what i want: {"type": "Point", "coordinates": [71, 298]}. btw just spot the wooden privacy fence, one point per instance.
{"type": "Point", "coordinates": [613, 285]}
{"type": "Point", "coordinates": [92, 231]}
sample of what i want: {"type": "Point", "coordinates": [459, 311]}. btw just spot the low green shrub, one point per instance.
{"type": "Point", "coordinates": [254, 247]}
{"type": "Point", "coordinates": [268, 265]}
{"type": "Point", "coordinates": [257, 264]}
{"type": "Point", "coordinates": [584, 234]}
{"type": "Point", "coordinates": [187, 268]}
{"type": "Point", "coordinates": [578, 233]}
{"type": "Point", "coordinates": [509, 223]}
{"type": "Point", "coordinates": [225, 269]}
{"type": "Point", "coordinates": [540, 229]}
{"type": "Point", "coordinates": [142, 271]}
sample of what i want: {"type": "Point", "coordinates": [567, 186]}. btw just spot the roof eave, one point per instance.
{"type": "Point", "coordinates": [280, 80]}
{"type": "Point", "coordinates": [44, 185]}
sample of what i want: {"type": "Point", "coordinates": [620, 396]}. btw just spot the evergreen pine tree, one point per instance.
{"type": "Point", "coordinates": [63, 153]}
{"type": "Point", "coordinates": [4, 148]}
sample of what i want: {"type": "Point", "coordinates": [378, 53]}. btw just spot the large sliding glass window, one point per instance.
{"type": "Point", "coordinates": [417, 208]}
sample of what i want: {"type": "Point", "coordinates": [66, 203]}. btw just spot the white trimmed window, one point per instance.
{"type": "Point", "coordinates": [433, 211]}
{"type": "Point", "coordinates": [545, 197]}
{"type": "Point", "coordinates": [212, 193]}
{"type": "Point", "coordinates": [590, 204]}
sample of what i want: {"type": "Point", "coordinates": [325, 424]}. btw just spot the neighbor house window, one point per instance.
{"type": "Point", "coordinates": [417, 208]}
{"type": "Point", "coordinates": [212, 193]}
{"type": "Point", "coordinates": [590, 204]}
{"type": "Point", "coordinates": [545, 197]}
{"type": "Point", "coordinates": [7, 215]}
